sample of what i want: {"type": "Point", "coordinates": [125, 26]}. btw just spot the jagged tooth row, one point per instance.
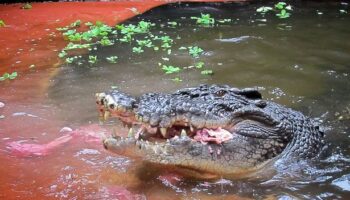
{"type": "Point", "coordinates": [155, 148]}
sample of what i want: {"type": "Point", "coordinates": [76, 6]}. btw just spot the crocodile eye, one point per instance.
{"type": "Point", "coordinates": [220, 93]}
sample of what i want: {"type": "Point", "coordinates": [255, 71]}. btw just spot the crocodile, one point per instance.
{"type": "Point", "coordinates": [214, 129]}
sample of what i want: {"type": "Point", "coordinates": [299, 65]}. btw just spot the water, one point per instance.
{"type": "Point", "coordinates": [301, 62]}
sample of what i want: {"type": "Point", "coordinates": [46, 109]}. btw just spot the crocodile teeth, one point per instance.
{"type": "Point", "coordinates": [139, 132]}
{"type": "Point", "coordinates": [156, 150]}
{"type": "Point", "coordinates": [106, 115]}
{"type": "Point", "coordinates": [114, 134]}
{"type": "Point", "coordinates": [183, 133]}
{"type": "Point", "coordinates": [131, 132]}
{"type": "Point", "coordinates": [191, 128]}
{"type": "Point", "coordinates": [163, 132]}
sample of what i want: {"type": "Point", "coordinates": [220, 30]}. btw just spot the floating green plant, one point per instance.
{"type": "Point", "coordinates": [71, 46]}
{"type": "Point", "coordinates": [62, 28]}
{"type": "Point", "coordinates": [169, 69]}
{"type": "Point", "coordinates": [199, 65]}
{"type": "Point", "coordinates": [105, 41]}
{"type": "Point", "coordinates": [204, 20]}
{"type": "Point", "coordinates": [2, 23]}
{"type": "Point", "coordinates": [137, 50]}
{"type": "Point", "coordinates": [145, 43]}
{"type": "Point", "coordinates": [224, 20]}
{"type": "Point", "coordinates": [88, 24]}
{"type": "Point", "coordinates": [75, 24]}
{"type": "Point", "coordinates": [27, 6]}
{"type": "Point", "coordinates": [280, 5]}
{"type": "Point", "coordinates": [126, 38]}
{"type": "Point", "coordinates": [166, 41]}
{"type": "Point", "coordinates": [9, 76]}
{"type": "Point", "coordinates": [166, 45]}
{"type": "Point", "coordinates": [144, 27]}
{"type": "Point", "coordinates": [264, 9]}
{"type": "Point", "coordinates": [207, 72]}
{"type": "Point", "coordinates": [194, 51]}
{"type": "Point", "coordinates": [112, 59]}
{"type": "Point", "coordinates": [92, 59]}
{"type": "Point", "coordinates": [69, 32]}
{"type": "Point", "coordinates": [176, 79]}
{"type": "Point", "coordinates": [74, 37]}
{"type": "Point", "coordinates": [70, 59]}
{"type": "Point", "coordinates": [138, 35]}
{"type": "Point", "coordinates": [172, 24]}
{"type": "Point", "coordinates": [283, 14]}
{"type": "Point", "coordinates": [283, 10]}
{"type": "Point", "coordinates": [165, 59]}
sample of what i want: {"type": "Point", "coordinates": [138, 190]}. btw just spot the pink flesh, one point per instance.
{"type": "Point", "coordinates": [170, 179]}
{"type": "Point", "coordinates": [217, 136]}
{"type": "Point", "coordinates": [91, 134]}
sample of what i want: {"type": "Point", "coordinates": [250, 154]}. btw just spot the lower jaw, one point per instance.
{"type": "Point", "coordinates": [205, 169]}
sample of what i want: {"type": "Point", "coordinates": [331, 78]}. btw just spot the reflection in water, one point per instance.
{"type": "Point", "coordinates": [301, 62]}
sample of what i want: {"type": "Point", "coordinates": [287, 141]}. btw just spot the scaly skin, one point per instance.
{"type": "Point", "coordinates": [251, 131]}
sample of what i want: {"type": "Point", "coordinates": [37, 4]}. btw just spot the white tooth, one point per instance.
{"type": "Point", "coordinates": [155, 149]}
{"type": "Point", "coordinates": [114, 134]}
{"type": "Point", "coordinates": [139, 132]}
{"type": "Point", "coordinates": [191, 128]}
{"type": "Point", "coordinates": [167, 140]}
{"type": "Point", "coordinates": [163, 132]}
{"type": "Point", "coordinates": [107, 114]}
{"type": "Point", "coordinates": [183, 133]}
{"type": "Point", "coordinates": [130, 133]}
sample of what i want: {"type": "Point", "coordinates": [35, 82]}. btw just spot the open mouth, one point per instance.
{"type": "Point", "coordinates": [203, 135]}
{"type": "Point", "coordinates": [145, 131]}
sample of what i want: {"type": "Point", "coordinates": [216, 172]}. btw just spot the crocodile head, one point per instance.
{"type": "Point", "coordinates": [213, 129]}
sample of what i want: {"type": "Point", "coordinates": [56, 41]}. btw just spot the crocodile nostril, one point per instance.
{"type": "Point", "coordinates": [260, 103]}
{"type": "Point", "coordinates": [220, 93]}
{"type": "Point", "coordinates": [111, 106]}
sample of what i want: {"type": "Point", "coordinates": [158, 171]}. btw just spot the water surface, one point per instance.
{"type": "Point", "coordinates": [301, 62]}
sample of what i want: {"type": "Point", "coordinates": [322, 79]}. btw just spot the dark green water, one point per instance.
{"type": "Point", "coordinates": [302, 62]}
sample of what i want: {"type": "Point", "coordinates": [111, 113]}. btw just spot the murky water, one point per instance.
{"type": "Point", "coordinates": [301, 62]}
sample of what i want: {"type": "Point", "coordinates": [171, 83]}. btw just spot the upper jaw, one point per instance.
{"type": "Point", "coordinates": [122, 106]}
